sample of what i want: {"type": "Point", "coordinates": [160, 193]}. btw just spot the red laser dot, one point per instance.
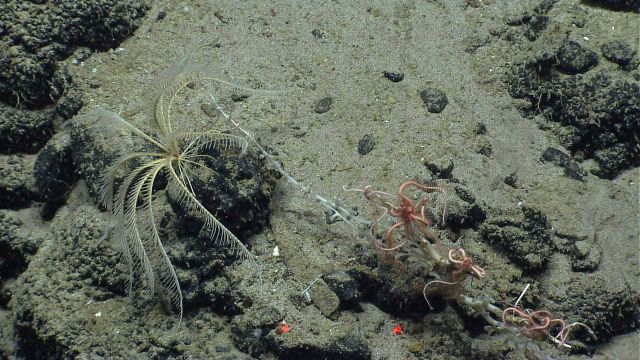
{"type": "Point", "coordinates": [398, 329]}
{"type": "Point", "coordinates": [283, 328]}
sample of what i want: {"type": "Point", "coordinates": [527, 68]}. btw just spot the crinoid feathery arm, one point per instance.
{"type": "Point", "coordinates": [130, 199]}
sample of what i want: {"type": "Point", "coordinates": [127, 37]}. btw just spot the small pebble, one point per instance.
{"type": "Point", "coordinates": [511, 179]}
{"type": "Point", "coordinates": [323, 105]}
{"type": "Point", "coordinates": [441, 168]}
{"type": "Point", "coordinates": [434, 99]}
{"type": "Point", "coordinates": [393, 76]}
{"type": "Point", "coordinates": [481, 128]}
{"type": "Point", "coordinates": [366, 144]}
{"type": "Point", "coordinates": [317, 33]}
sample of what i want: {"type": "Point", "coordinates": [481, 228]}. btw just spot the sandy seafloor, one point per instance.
{"type": "Point", "coordinates": [306, 51]}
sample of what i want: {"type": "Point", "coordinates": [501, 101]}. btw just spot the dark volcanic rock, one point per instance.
{"type": "Point", "coordinates": [237, 190]}
{"type": "Point", "coordinates": [622, 5]}
{"type": "Point", "coordinates": [17, 245]}
{"type": "Point", "coordinates": [17, 184]}
{"type": "Point", "coordinates": [524, 238]}
{"type": "Point", "coordinates": [574, 58]}
{"type": "Point", "coordinates": [53, 168]}
{"type": "Point", "coordinates": [36, 36]}
{"type": "Point", "coordinates": [366, 144]}
{"type": "Point", "coordinates": [600, 117]}
{"type": "Point", "coordinates": [434, 99]}
{"type": "Point", "coordinates": [36, 90]}
{"type": "Point", "coordinates": [618, 52]}
{"type": "Point", "coordinates": [608, 307]}
{"type": "Point", "coordinates": [323, 105]}
{"type": "Point", "coordinates": [95, 144]}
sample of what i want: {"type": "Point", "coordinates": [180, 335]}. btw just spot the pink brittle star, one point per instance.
{"type": "Point", "coordinates": [537, 324]}
{"type": "Point", "coordinates": [462, 265]}
{"type": "Point", "coordinates": [411, 215]}
{"type": "Point", "coordinates": [533, 324]}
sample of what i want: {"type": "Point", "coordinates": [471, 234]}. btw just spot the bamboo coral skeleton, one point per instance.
{"type": "Point", "coordinates": [411, 227]}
